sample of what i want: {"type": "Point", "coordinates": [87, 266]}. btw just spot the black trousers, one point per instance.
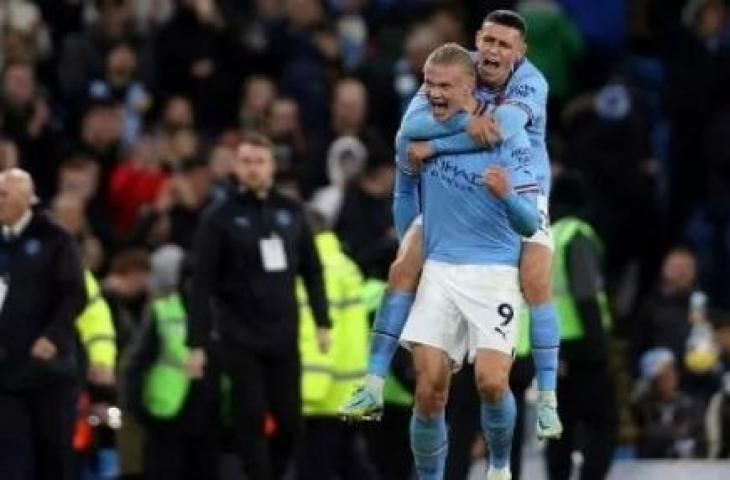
{"type": "Point", "coordinates": [330, 451]}
{"type": "Point", "coordinates": [390, 445]}
{"type": "Point", "coordinates": [172, 453]}
{"type": "Point", "coordinates": [587, 407]}
{"type": "Point", "coordinates": [36, 427]}
{"type": "Point", "coordinates": [523, 370]}
{"type": "Point", "coordinates": [187, 447]}
{"type": "Point", "coordinates": [264, 385]}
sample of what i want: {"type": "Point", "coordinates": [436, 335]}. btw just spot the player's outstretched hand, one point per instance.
{"type": "Point", "coordinates": [484, 130]}
{"type": "Point", "coordinates": [497, 181]}
{"type": "Point", "coordinates": [418, 154]}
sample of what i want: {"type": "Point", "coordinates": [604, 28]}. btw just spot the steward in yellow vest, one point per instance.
{"type": "Point", "coordinates": [586, 396]}
{"type": "Point", "coordinates": [95, 328]}
{"type": "Point", "coordinates": [179, 413]}
{"type": "Point", "coordinates": [329, 378]}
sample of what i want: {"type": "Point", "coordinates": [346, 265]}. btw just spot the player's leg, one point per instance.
{"type": "Point", "coordinates": [498, 410]}
{"type": "Point", "coordinates": [429, 436]}
{"type": "Point", "coordinates": [437, 336]}
{"type": "Point", "coordinates": [367, 402]}
{"type": "Point", "coordinates": [535, 275]}
{"type": "Point", "coordinates": [488, 297]}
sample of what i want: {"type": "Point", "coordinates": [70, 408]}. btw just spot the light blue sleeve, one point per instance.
{"type": "Point", "coordinates": [418, 122]}
{"type": "Point", "coordinates": [529, 93]}
{"type": "Point", "coordinates": [521, 204]}
{"type": "Point", "coordinates": [406, 204]}
{"type": "Point", "coordinates": [511, 119]}
{"type": "Point", "coordinates": [457, 143]}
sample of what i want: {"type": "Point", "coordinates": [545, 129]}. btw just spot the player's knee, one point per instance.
{"type": "Point", "coordinates": [492, 385]}
{"type": "Point", "coordinates": [431, 397]}
{"type": "Point", "coordinates": [404, 274]}
{"type": "Point", "coordinates": [535, 285]}
{"type": "Point", "coordinates": [535, 273]}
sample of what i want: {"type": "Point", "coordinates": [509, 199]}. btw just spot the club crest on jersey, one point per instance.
{"type": "Point", "coordinates": [283, 217]}
{"type": "Point", "coordinates": [32, 247]}
{"type": "Point", "coordinates": [242, 222]}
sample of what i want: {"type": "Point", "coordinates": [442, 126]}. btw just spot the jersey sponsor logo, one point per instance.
{"type": "Point", "coordinates": [243, 222]}
{"type": "Point", "coordinates": [521, 91]}
{"type": "Point", "coordinates": [456, 175]}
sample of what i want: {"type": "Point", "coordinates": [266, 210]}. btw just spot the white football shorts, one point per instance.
{"type": "Point", "coordinates": [462, 308]}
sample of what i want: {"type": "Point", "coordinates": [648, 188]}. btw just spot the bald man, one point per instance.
{"type": "Point", "coordinates": [41, 294]}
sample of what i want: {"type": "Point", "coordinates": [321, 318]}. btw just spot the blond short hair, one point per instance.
{"type": "Point", "coordinates": [452, 54]}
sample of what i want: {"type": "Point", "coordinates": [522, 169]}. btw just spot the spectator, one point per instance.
{"type": "Point", "coordinates": [663, 320]}
{"type": "Point", "coordinates": [120, 82]}
{"type": "Point", "coordinates": [135, 184]}
{"type": "Point", "coordinates": [78, 176]}
{"type": "Point", "coordinates": [221, 162]}
{"type": "Point", "coordinates": [178, 115]}
{"type": "Point", "coordinates": [291, 148]}
{"type": "Point", "coordinates": [346, 161]}
{"type": "Point", "coordinates": [83, 54]}
{"type": "Point", "coordinates": [102, 126]}
{"type": "Point", "coordinates": [555, 45]}
{"type": "Point", "coordinates": [179, 206]}
{"type": "Point", "coordinates": [310, 51]}
{"type": "Point", "coordinates": [365, 223]}
{"type": "Point", "coordinates": [26, 120]}
{"type": "Point", "coordinates": [349, 118]}
{"type": "Point", "coordinates": [125, 288]}
{"type": "Point", "coordinates": [668, 421]}
{"type": "Point", "coordinates": [68, 210]}
{"type": "Point", "coordinates": [8, 154]}
{"type": "Point", "coordinates": [717, 420]}
{"type": "Point", "coordinates": [259, 93]}
{"type": "Point", "coordinates": [447, 20]}
{"type": "Point", "coordinates": [394, 81]}
{"type": "Point", "coordinates": [196, 57]}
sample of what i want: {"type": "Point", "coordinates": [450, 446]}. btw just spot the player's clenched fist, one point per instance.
{"type": "Point", "coordinates": [418, 154]}
{"type": "Point", "coordinates": [497, 181]}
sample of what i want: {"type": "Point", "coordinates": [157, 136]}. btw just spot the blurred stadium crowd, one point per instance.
{"type": "Point", "coordinates": [127, 113]}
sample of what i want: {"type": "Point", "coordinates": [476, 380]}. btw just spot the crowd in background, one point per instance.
{"type": "Point", "coordinates": [127, 114]}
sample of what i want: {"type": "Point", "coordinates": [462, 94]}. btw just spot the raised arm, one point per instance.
{"type": "Point", "coordinates": [405, 193]}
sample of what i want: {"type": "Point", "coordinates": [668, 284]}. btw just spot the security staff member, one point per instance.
{"type": "Point", "coordinates": [586, 396]}
{"type": "Point", "coordinates": [41, 294]}
{"type": "Point", "coordinates": [180, 417]}
{"type": "Point", "coordinates": [329, 447]}
{"type": "Point", "coordinates": [248, 251]}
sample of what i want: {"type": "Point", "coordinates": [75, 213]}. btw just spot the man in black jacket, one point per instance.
{"type": "Point", "coordinates": [41, 294]}
{"type": "Point", "coordinates": [247, 253]}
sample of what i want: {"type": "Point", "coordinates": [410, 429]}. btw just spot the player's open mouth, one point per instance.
{"type": "Point", "coordinates": [439, 105]}
{"type": "Point", "coordinates": [490, 64]}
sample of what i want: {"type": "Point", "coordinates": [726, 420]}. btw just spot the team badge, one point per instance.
{"type": "Point", "coordinates": [283, 217]}
{"type": "Point", "coordinates": [242, 222]}
{"type": "Point", "coordinates": [32, 247]}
